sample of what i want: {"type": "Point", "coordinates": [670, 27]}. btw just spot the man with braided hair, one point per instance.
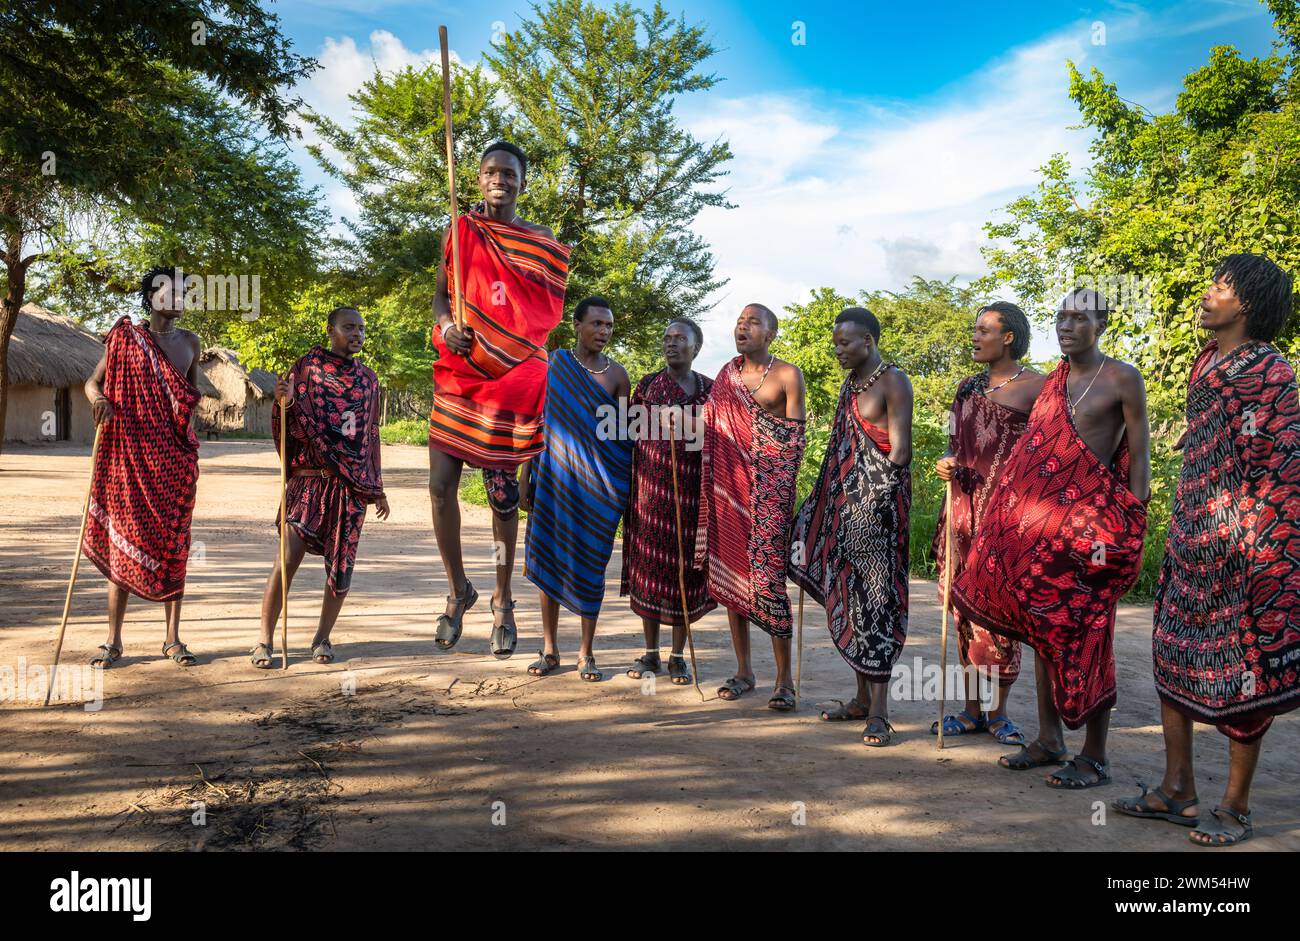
{"type": "Point", "coordinates": [1226, 639]}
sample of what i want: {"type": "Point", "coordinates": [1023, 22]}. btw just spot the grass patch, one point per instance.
{"type": "Point", "coordinates": [414, 431]}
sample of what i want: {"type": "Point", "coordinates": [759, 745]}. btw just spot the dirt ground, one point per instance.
{"type": "Point", "coordinates": [400, 746]}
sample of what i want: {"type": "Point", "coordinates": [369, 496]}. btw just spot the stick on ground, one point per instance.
{"type": "Point", "coordinates": [681, 557]}
{"type": "Point", "coordinates": [76, 563]}
{"type": "Point", "coordinates": [947, 589]}
{"type": "Point", "coordinates": [284, 530]}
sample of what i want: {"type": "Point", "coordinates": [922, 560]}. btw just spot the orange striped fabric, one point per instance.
{"type": "Point", "coordinates": [487, 406]}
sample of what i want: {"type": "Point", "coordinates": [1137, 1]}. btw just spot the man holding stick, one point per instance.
{"type": "Point", "coordinates": [988, 415]}
{"type": "Point", "coordinates": [651, 558]}
{"type": "Point", "coordinates": [1061, 541]}
{"type": "Point", "coordinates": [146, 471]}
{"type": "Point", "coordinates": [330, 409]}
{"type": "Point", "coordinates": [489, 382]}
{"type": "Point", "coordinates": [849, 548]}
{"type": "Point", "coordinates": [753, 444]}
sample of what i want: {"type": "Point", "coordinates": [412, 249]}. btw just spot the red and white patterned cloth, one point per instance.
{"type": "Point", "coordinates": [1060, 544]}
{"type": "Point", "coordinates": [146, 470]}
{"type": "Point", "coordinates": [748, 473]}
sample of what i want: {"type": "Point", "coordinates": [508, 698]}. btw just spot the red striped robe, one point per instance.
{"type": "Point", "coordinates": [487, 406]}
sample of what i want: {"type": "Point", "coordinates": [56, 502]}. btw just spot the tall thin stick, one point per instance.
{"type": "Point", "coordinates": [798, 663]}
{"type": "Point", "coordinates": [284, 531]}
{"type": "Point", "coordinates": [76, 563]}
{"type": "Point", "coordinates": [457, 296]}
{"type": "Point", "coordinates": [947, 592]}
{"type": "Point", "coordinates": [681, 556]}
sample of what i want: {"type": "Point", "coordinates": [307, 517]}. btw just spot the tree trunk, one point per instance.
{"type": "Point", "coordinates": [13, 302]}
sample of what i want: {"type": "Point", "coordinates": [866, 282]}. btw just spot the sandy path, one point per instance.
{"type": "Point", "coordinates": [428, 745]}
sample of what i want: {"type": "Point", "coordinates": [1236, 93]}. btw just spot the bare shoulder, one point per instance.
{"type": "Point", "coordinates": [786, 372]}
{"type": "Point", "coordinates": [1033, 379]}
{"type": "Point", "coordinates": [536, 227]}
{"type": "Point", "coordinates": [191, 338]}
{"type": "Point", "coordinates": [1126, 376]}
{"type": "Point", "coordinates": [895, 378]}
{"type": "Point", "coordinates": [617, 369]}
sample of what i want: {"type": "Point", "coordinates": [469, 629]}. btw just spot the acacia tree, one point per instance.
{"type": "Point", "coordinates": [393, 160]}
{"type": "Point", "coordinates": [591, 95]}
{"type": "Point", "coordinates": [101, 106]}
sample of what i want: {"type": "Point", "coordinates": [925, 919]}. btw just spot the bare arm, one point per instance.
{"type": "Point", "coordinates": [623, 384]}
{"type": "Point", "coordinates": [196, 350]}
{"type": "Point", "coordinates": [794, 394]}
{"type": "Point", "coordinates": [898, 398]}
{"type": "Point", "coordinates": [100, 408]}
{"type": "Point", "coordinates": [1133, 397]}
{"type": "Point", "coordinates": [457, 340]}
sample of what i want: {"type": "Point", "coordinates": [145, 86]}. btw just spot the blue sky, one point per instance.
{"type": "Point", "coordinates": [872, 151]}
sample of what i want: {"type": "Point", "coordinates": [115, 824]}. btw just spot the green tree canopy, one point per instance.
{"type": "Point", "coordinates": [591, 94]}
{"type": "Point", "coordinates": [1167, 196]}
{"type": "Point", "coordinates": [125, 122]}
{"type": "Point", "coordinates": [925, 329]}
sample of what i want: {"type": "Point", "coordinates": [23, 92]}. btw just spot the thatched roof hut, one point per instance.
{"type": "Point", "coordinates": [50, 350]}
{"type": "Point", "coordinates": [243, 399]}
{"type": "Point", "coordinates": [50, 359]}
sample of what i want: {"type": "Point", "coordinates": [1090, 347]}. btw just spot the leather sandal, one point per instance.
{"type": "Point", "coordinates": [505, 637]}
{"type": "Point", "coordinates": [450, 625]}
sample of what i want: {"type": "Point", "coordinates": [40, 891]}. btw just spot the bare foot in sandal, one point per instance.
{"type": "Point", "coordinates": [678, 672]}
{"type": "Point", "coordinates": [544, 664]}
{"type": "Point", "coordinates": [878, 732]}
{"type": "Point", "coordinates": [179, 653]}
{"type": "Point", "coordinates": [587, 671]}
{"type": "Point", "coordinates": [783, 699]}
{"type": "Point", "coordinates": [262, 657]}
{"type": "Point", "coordinates": [735, 687]}
{"type": "Point", "coordinates": [842, 711]}
{"type": "Point", "coordinates": [648, 662]}
{"type": "Point", "coordinates": [108, 655]}
{"type": "Point", "coordinates": [1226, 827]}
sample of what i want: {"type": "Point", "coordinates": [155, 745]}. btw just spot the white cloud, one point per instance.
{"type": "Point", "coordinates": [865, 196]}
{"type": "Point", "coordinates": [344, 68]}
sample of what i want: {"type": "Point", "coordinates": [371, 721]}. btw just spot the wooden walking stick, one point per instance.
{"type": "Point", "coordinates": [457, 297]}
{"type": "Point", "coordinates": [76, 563]}
{"type": "Point", "coordinates": [798, 663]}
{"type": "Point", "coordinates": [681, 557]}
{"type": "Point", "coordinates": [947, 592]}
{"type": "Point", "coordinates": [284, 529]}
